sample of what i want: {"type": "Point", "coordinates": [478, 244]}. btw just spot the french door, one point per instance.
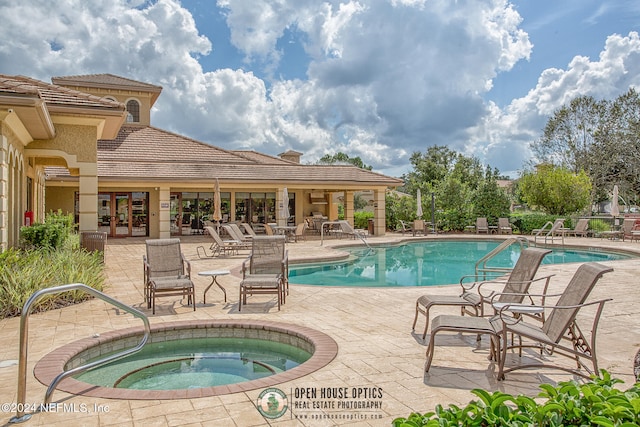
{"type": "Point", "coordinates": [123, 214]}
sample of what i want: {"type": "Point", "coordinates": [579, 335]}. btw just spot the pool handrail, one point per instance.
{"type": "Point", "coordinates": [481, 264]}
{"type": "Point", "coordinates": [24, 340]}
{"type": "Point", "coordinates": [358, 235]}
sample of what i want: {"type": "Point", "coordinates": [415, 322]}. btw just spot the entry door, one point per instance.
{"type": "Point", "coordinates": [122, 214]}
{"type": "Point", "coordinates": [176, 214]}
{"type": "Point", "coordinates": [104, 213]}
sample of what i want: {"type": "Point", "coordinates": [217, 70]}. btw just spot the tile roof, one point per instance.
{"type": "Point", "coordinates": [261, 157]}
{"type": "Point", "coordinates": [178, 171]}
{"type": "Point", "coordinates": [104, 80]}
{"type": "Point", "coordinates": [54, 95]}
{"type": "Point", "coordinates": [146, 153]}
{"type": "Point", "coordinates": [150, 144]}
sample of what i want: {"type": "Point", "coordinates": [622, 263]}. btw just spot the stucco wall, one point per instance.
{"type": "Point", "coordinates": [60, 198]}
{"type": "Point", "coordinates": [73, 139]}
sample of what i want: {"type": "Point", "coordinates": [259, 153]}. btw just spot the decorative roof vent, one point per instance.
{"type": "Point", "coordinates": [317, 198]}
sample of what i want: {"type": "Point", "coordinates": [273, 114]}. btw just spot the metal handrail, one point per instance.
{"type": "Point", "coordinates": [24, 340]}
{"type": "Point", "coordinates": [339, 223]}
{"type": "Point", "coordinates": [481, 265]}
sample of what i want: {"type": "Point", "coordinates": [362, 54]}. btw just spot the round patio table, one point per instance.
{"type": "Point", "coordinates": [214, 280]}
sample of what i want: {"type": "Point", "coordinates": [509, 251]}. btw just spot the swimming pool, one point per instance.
{"type": "Point", "coordinates": [425, 263]}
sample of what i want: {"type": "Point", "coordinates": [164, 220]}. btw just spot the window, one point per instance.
{"type": "Point", "coordinates": [133, 108]}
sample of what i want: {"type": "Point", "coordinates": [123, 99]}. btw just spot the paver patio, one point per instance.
{"type": "Point", "coordinates": [371, 326]}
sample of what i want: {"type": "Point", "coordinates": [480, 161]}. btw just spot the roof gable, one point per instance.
{"type": "Point", "coordinates": [105, 80]}
{"type": "Point", "coordinates": [55, 95]}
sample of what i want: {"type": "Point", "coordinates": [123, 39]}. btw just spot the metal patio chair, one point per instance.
{"type": "Point", "coordinates": [166, 272]}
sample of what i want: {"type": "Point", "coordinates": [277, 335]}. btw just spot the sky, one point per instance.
{"type": "Point", "coordinates": [377, 79]}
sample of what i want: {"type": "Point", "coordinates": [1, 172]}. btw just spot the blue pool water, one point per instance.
{"type": "Point", "coordinates": [424, 264]}
{"type": "Point", "coordinates": [197, 363]}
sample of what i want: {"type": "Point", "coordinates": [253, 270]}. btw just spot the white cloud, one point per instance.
{"type": "Point", "coordinates": [504, 135]}
{"type": "Point", "coordinates": [43, 39]}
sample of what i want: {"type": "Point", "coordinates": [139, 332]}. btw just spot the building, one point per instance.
{"type": "Point", "coordinates": [85, 144]}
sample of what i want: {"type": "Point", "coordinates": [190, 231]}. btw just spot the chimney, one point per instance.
{"type": "Point", "coordinates": [290, 155]}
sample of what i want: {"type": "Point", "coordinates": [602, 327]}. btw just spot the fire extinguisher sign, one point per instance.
{"type": "Point", "coordinates": [28, 218]}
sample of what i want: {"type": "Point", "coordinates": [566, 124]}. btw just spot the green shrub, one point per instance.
{"type": "Point", "coordinates": [23, 272]}
{"type": "Point", "coordinates": [53, 233]}
{"type": "Point", "coordinates": [361, 219]}
{"type": "Point", "coordinates": [595, 403]}
{"type": "Point", "coordinates": [453, 220]}
{"type": "Point", "coordinates": [527, 222]}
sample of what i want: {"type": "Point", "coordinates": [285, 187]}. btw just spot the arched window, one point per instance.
{"type": "Point", "coordinates": [133, 108]}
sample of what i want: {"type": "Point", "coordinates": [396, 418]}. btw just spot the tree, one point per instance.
{"type": "Point", "coordinates": [342, 158]}
{"type": "Point", "coordinates": [555, 190]}
{"type": "Point", "coordinates": [455, 179]}
{"type": "Point", "coordinates": [570, 134]}
{"type": "Point", "coordinates": [490, 201]}
{"type": "Point", "coordinates": [601, 138]}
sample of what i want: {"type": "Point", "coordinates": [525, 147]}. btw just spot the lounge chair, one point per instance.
{"type": "Point", "coordinates": [250, 231]}
{"type": "Point", "coordinates": [419, 226]}
{"type": "Point", "coordinates": [482, 226]}
{"type": "Point", "coordinates": [165, 273]}
{"type": "Point", "coordinates": [504, 227]}
{"type": "Point", "coordinates": [580, 229]}
{"type": "Point", "coordinates": [240, 241]}
{"type": "Point", "coordinates": [474, 296]}
{"type": "Point", "coordinates": [405, 228]}
{"type": "Point", "coordinates": [266, 269]}
{"type": "Point", "coordinates": [219, 246]}
{"type": "Point", "coordinates": [239, 233]}
{"type": "Point", "coordinates": [348, 230]}
{"type": "Point", "coordinates": [558, 325]}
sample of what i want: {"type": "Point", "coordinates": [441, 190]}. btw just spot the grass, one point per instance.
{"type": "Point", "coordinates": [24, 272]}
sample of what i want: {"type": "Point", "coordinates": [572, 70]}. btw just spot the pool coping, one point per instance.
{"type": "Point", "coordinates": [52, 364]}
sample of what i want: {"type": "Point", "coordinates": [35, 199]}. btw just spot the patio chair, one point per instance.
{"type": "Point", "coordinates": [631, 229]}
{"type": "Point", "coordinates": [265, 270]}
{"type": "Point", "coordinates": [482, 226]}
{"type": "Point", "coordinates": [474, 296]}
{"type": "Point", "coordinates": [558, 325]}
{"type": "Point", "coordinates": [405, 228]}
{"type": "Point", "coordinates": [559, 334]}
{"type": "Point", "coordinates": [299, 233]}
{"type": "Point", "coordinates": [580, 229]}
{"type": "Point", "coordinates": [350, 231]}
{"type": "Point", "coordinates": [419, 226]}
{"type": "Point", "coordinates": [250, 231]}
{"type": "Point", "coordinates": [504, 227]}
{"type": "Point", "coordinates": [165, 273]}
{"type": "Point", "coordinates": [219, 246]}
